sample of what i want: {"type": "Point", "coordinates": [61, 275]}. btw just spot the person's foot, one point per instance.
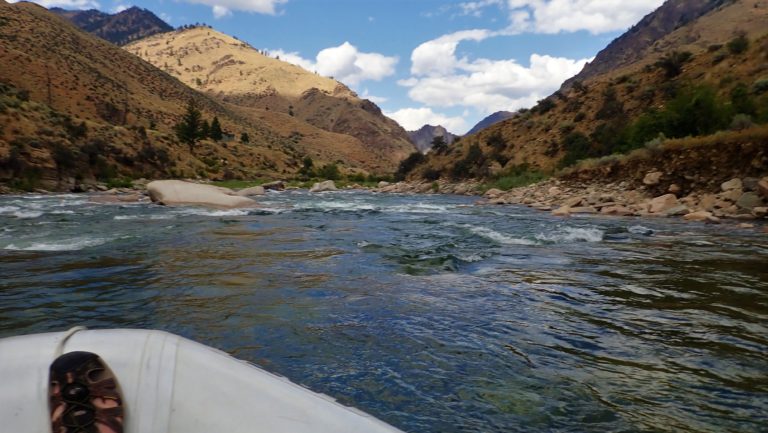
{"type": "Point", "coordinates": [84, 395]}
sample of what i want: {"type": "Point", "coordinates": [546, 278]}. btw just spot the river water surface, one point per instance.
{"type": "Point", "coordinates": [428, 312]}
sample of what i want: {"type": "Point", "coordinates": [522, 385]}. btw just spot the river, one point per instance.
{"type": "Point", "coordinates": [428, 312]}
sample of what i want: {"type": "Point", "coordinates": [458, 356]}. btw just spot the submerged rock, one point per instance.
{"type": "Point", "coordinates": [177, 192]}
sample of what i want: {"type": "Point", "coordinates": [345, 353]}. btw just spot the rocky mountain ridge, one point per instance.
{"type": "Point", "coordinates": [490, 120]}
{"type": "Point", "coordinates": [120, 28]}
{"type": "Point", "coordinates": [238, 74]}
{"type": "Point", "coordinates": [424, 136]}
{"type": "Point", "coordinates": [707, 75]}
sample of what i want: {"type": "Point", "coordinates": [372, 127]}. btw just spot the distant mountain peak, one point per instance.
{"type": "Point", "coordinates": [120, 28]}
{"type": "Point", "coordinates": [491, 120]}
{"type": "Point", "coordinates": [423, 137]}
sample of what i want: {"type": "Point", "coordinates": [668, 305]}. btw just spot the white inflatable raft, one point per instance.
{"type": "Point", "coordinates": [170, 385]}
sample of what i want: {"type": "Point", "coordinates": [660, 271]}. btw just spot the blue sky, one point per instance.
{"type": "Point", "coordinates": [422, 61]}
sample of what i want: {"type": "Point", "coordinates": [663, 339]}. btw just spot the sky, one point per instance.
{"type": "Point", "coordinates": [422, 61]}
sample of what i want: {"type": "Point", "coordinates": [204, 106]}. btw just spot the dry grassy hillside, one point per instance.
{"type": "Point", "coordinates": [599, 116]}
{"type": "Point", "coordinates": [53, 71]}
{"type": "Point", "coordinates": [236, 73]}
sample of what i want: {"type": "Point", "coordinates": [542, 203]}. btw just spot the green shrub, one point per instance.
{"type": "Point", "coordinates": [329, 172]}
{"type": "Point", "coordinates": [672, 63]}
{"type": "Point", "coordinates": [577, 146]}
{"type": "Point", "coordinates": [741, 121]}
{"type": "Point", "coordinates": [408, 164]}
{"type": "Point", "coordinates": [760, 85]}
{"type": "Point", "coordinates": [739, 44]}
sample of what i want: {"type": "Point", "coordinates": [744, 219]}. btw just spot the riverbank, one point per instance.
{"type": "Point", "coordinates": [744, 200]}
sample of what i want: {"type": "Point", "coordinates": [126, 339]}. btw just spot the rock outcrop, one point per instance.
{"type": "Point", "coordinates": [177, 192]}
{"type": "Point", "coordinates": [327, 185]}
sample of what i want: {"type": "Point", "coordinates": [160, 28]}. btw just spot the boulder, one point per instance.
{"type": "Point", "coordinates": [701, 215]}
{"type": "Point", "coordinates": [277, 185]}
{"type": "Point", "coordinates": [750, 183]}
{"type": "Point", "coordinates": [652, 178]}
{"type": "Point", "coordinates": [383, 184]}
{"type": "Point", "coordinates": [562, 211]}
{"type": "Point", "coordinates": [762, 187]}
{"type": "Point", "coordinates": [553, 191]}
{"type": "Point", "coordinates": [707, 202]}
{"type": "Point", "coordinates": [674, 189]}
{"type": "Point", "coordinates": [493, 193]}
{"type": "Point", "coordinates": [254, 190]}
{"type": "Point", "coordinates": [327, 185]}
{"type": "Point", "coordinates": [573, 202]}
{"type": "Point", "coordinates": [760, 212]}
{"type": "Point", "coordinates": [734, 183]}
{"type": "Point", "coordinates": [749, 200]}
{"type": "Point", "coordinates": [177, 192]}
{"type": "Point", "coordinates": [662, 203]}
{"type": "Point", "coordinates": [677, 210]}
{"type": "Point", "coordinates": [732, 195]}
{"type": "Point", "coordinates": [617, 210]}
{"type": "Point", "coordinates": [583, 209]}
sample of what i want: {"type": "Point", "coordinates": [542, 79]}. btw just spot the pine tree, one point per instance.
{"type": "Point", "coordinates": [205, 130]}
{"type": "Point", "coordinates": [216, 133]}
{"type": "Point", "coordinates": [188, 129]}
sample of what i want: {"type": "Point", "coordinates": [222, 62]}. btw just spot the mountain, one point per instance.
{"type": "Point", "coordinates": [691, 68]}
{"type": "Point", "coordinates": [491, 120]}
{"type": "Point", "coordinates": [238, 74]}
{"type": "Point", "coordinates": [424, 136]}
{"type": "Point", "coordinates": [73, 106]}
{"type": "Point", "coordinates": [647, 35]}
{"type": "Point", "coordinates": [120, 28]}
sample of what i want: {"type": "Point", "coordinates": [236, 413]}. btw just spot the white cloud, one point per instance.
{"type": "Point", "coordinates": [373, 98]}
{"type": "Point", "coordinates": [165, 17]}
{"type": "Point", "coordinates": [119, 8]}
{"type": "Point", "coordinates": [440, 79]}
{"type": "Point", "coordinates": [345, 63]}
{"type": "Point", "coordinates": [220, 12]}
{"type": "Point", "coordinates": [555, 16]}
{"type": "Point", "coordinates": [222, 8]}
{"type": "Point", "coordinates": [66, 4]}
{"type": "Point", "coordinates": [414, 118]}
{"type": "Point", "coordinates": [438, 55]}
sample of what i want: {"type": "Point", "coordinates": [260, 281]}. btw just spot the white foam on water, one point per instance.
{"type": "Point", "coordinates": [63, 212]}
{"type": "Point", "coordinates": [419, 208]}
{"type": "Point", "coordinates": [572, 234]}
{"type": "Point", "coordinates": [639, 230]}
{"type": "Point", "coordinates": [213, 213]}
{"type": "Point", "coordinates": [493, 235]}
{"type": "Point", "coordinates": [8, 209]}
{"type": "Point", "coordinates": [27, 214]}
{"type": "Point", "coordinates": [62, 245]}
{"type": "Point", "coordinates": [338, 205]}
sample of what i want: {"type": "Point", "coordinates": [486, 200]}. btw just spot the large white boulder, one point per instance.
{"type": "Point", "coordinates": [177, 192]}
{"type": "Point", "coordinates": [327, 185]}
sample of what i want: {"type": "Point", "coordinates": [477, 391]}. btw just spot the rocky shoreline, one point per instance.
{"type": "Point", "coordinates": [743, 200]}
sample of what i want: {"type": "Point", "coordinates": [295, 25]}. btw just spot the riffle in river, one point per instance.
{"type": "Point", "coordinates": [428, 312]}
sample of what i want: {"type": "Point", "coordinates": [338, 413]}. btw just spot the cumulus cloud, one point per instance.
{"type": "Point", "coordinates": [594, 16]}
{"type": "Point", "coordinates": [483, 84]}
{"type": "Point", "coordinates": [555, 16]}
{"type": "Point", "coordinates": [345, 63]}
{"type": "Point", "coordinates": [414, 118]}
{"type": "Point", "coordinates": [222, 8]}
{"type": "Point", "coordinates": [66, 4]}
{"type": "Point", "coordinates": [119, 8]}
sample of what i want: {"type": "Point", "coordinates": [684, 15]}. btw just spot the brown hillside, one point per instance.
{"type": "Point", "coordinates": [618, 96]}
{"type": "Point", "coordinates": [61, 72]}
{"type": "Point", "coordinates": [237, 73]}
